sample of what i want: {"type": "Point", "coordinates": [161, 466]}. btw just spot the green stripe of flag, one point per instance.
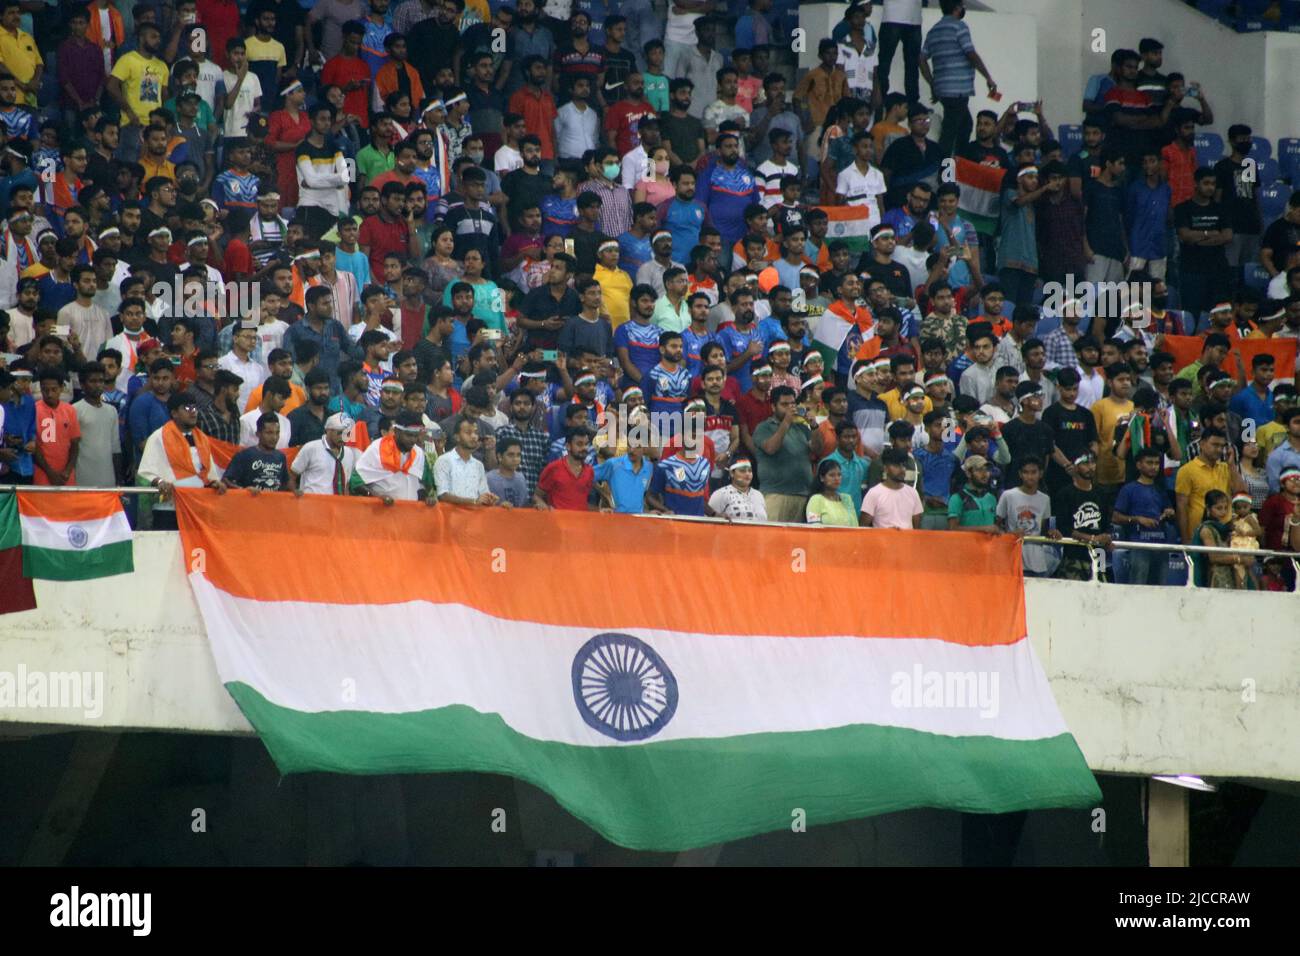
{"type": "Point", "coordinates": [11, 530]}
{"type": "Point", "coordinates": [681, 794]}
{"type": "Point", "coordinates": [52, 564]}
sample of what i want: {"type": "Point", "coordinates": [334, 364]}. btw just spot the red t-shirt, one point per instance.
{"type": "Point", "coordinates": [340, 71]}
{"type": "Point", "coordinates": [381, 238]}
{"type": "Point", "coordinates": [221, 19]}
{"type": "Point", "coordinates": [1273, 519]}
{"type": "Point", "coordinates": [282, 129]}
{"type": "Point", "coordinates": [753, 411]}
{"type": "Point", "coordinates": [55, 429]}
{"type": "Point", "coordinates": [564, 491]}
{"type": "Point", "coordinates": [622, 119]}
{"type": "Point", "coordinates": [238, 260]}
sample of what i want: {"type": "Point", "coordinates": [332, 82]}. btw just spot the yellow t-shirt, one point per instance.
{"type": "Point", "coordinates": [894, 402]}
{"type": "Point", "coordinates": [1106, 412]}
{"type": "Point", "coordinates": [1195, 479]}
{"type": "Point", "coordinates": [20, 57]}
{"type": "Point", "coordinates": [143, 82]}
{"type": "Point", "coordinates": [616, 294]}
{"type": "Point", "coordinates": [272, 50]}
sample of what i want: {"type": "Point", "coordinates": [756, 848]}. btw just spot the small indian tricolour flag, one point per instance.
{"type": "Point", "coordinates": [981, 188]}
{"type": "Point", "coordinates": [849, 223]}
{"type": "Point", "coordinates": [74, 536]}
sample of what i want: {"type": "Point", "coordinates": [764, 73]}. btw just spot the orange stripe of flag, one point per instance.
{"type": "Point", "coordinates": [554, 567]}
{"type": "Point", "coordinates": [81, 506]}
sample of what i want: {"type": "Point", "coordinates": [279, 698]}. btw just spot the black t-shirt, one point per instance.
{"type": "Point", "coordinates": [684, 132]}
{"type": "Point", "coordinates": [1210, 217]}
{"type": "Point", "coordinates": [1282, 238]}
{"type": "Point", "coordinates": [907, 165]}
{"type": "Point", "coordinates": [1084, 165]}
{"type": "Point", "coordinates": [894, 275]}
{"type": "Point", "coordinates": [539, 304]}
{"type": "Point", "coordinates": [1024, 440]}
{"type": "Point", "coordinates": [993, 155]}
{"type": "Point", "coordinates": [288, 17]}
{"type": "Point", "coordinates": [304, 426]}
{"type": "Point", "coordinates": [431, 45]}
{"type": "Point", "coordinates": [524, 190]}
{"type": "Point", "coordinates": [585, 245]}
{"type": "Point", "coordinates": [1078, 510]}
{"type": "Point", "coordinates": [1240, 196]}
{"type": "Point", "coordinates": [617, 67]}
{"type": "Point", "coordinates": [1073, 431]}
{"type": "Point", "coordinates": [1105, 218]}
{"type": "Point", "coordinates": [254, 468]}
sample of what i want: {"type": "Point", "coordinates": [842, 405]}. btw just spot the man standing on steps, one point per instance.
{"type": "Point", "coordinates": [948, 63]}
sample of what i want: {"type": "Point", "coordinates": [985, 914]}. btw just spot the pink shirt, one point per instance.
{"type": "Point", "coordinates": [891, 507]}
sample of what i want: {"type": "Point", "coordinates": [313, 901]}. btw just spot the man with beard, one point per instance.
{"type": "Point", "coordinates": [526, 186]}
{"type": "Point", "coordinates": [726, 189]}
{"type": "Point", "coordinates": [307, 421]}
{"type": "Point", "coordinates": [220, 419]}
{"type": "Point", "coordinates": [433, 42]}
{"type": "Point", "coordinates": [160, 200]}
{"type": "Point", "coordinates": [394, 468]}
{"type": "Point", "coordinates": [682, 130]}
{"type": "Point", "coordinates": [325, 465]}
{"type": "Point", "coordinates": [137, 84]}
{"type": "Point", "coordinates": [533, 101]}
{"type": "Point", "coordinates": [683, 215]}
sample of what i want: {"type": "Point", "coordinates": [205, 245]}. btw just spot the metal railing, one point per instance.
{"type": "Point", "coordinates": [1097, 556]}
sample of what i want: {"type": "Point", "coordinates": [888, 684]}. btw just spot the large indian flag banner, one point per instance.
{"type": "Point", "coordinates": [673, 684]}
{"type": "Point", "coordinates": [74, 536]}
{"type": "Point", "coordinates": [850, 223]}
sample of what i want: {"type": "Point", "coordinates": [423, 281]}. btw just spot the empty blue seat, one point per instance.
{"type": "Point", "coordinates": [1288, 156]}
{"type": "Point", "coordinates": [1252, 9]}
{"type": "Point", "coordinates": [1272, 202]}
{"type": "Point", "coordinates": [1071, 137]}
{"type": "Point", "coordinates": [1215, 8]}
{"type": "Point", "coordinates": [1256, 276]}
{"type": "Point", "coordinates": [1263, 148]}
{"type": "Point", "coordinates": [1269, 170]}
{"type": "Point", "coordinates": [1209, 148]}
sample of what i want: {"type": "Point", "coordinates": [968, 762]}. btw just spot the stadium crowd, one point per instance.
{"type": "Point", "coordinates": [577, 255]}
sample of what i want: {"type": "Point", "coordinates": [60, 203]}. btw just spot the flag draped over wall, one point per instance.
{"type": "Point", "coordinates": [60, 536]}
{"type": "Point", "coordinates": [666, 714]}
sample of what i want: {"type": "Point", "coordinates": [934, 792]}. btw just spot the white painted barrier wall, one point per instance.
{"type": "Point", "coordinates": [1150, 680]}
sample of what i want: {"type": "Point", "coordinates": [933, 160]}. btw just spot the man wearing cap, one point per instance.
{"type": "Point", "coordinates": [176, 455]}
{"type": "Point", "coordinates": [325, 466]}
{"type": "Point", "coordinates": [394, 468]}
{"type": "Point", "coordinates": [973, 507]}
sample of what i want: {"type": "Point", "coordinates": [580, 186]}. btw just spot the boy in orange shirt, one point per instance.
{"type": "Point", "coordinates": [58, 433]}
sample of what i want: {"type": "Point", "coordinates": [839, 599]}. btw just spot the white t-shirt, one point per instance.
{"type": "Point", "coordinates": [236, 123]}
{"type": "Point", "coordinates": [506, 159]}
{"type": "Point", "coordinates": [903, 11]}
{"type": "Point", "coordinates": [681, 27]}
{"type": "Point", "coordinates": [862, 189]}
{"type": "Point", "coordinates": [210, 75]}
{"type": "Point", "coordinates": [357, 329]}
{"type": "Point", "coordinates": [315, 465]}
{"type": "Point", "coordinates": [248, 429]}
{"type": "Point", "coordinates": [253, 374]}
{"type": "Point", "coordinates": [271, 335]}
{"type": "Point", "coordinates": [730, 502]}
{"type": "Point", "coordinates": [891, 507]}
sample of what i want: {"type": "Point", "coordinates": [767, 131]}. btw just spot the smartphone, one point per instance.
{"type": "Point", "coordinates": [1194, 90]}
{"type": "Point", "coordinates": [62, 331]}
{"type": "Point", "coordinates": [549, 355]}
{"type": "Point", "coordinates": [492, 335]}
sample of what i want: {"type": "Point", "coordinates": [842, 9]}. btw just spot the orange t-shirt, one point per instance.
{"type": "Point", "coordinates": [55, 429]}
{"type": "Point", "coordinates": [297, 399]}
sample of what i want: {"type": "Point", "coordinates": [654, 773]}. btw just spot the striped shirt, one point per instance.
{"type": "Point", "coordinates": [683, 483]}
{"type": "Point", "coordinates": [641, 342]}
{"type": "Point", "coordinates": [947, 46]}
{"type": "Point", "coordinates": [769, 181]}
{"type": "Point", "coordinates": [666, 389]}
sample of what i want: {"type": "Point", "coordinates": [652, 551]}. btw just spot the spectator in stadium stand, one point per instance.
{"type": "Point", "coordinates": [176, 455]}
{"type": "Point", "coordinates": [1204, 233]}
{"type": "Point", "coordinates": [948, 64]}
{"type": "Point", "coordinates": [566, 483]}
{"type": "Point", "coordinates": [260, 467]}
{"type": "Point", "coordinates": [782, 442]}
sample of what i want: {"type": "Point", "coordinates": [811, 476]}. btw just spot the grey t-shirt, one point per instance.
{"type": "Point", "coordinates": [1029, 513]}
{"type": "Point", "coordinates": [513, 489]}
{"type": "Point", "coordinates": [100, 441]}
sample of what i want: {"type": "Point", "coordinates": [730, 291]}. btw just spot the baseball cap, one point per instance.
{"type": "Point", "coordinates": [973, 462]}
{"type": "Point", "coordinates": [339, 422]}
{"type": "Point", "coordinates": [1028, 388]}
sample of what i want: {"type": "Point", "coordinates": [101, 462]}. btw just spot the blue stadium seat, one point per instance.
{"type": "Point", "coordinates": [1209, 148]}
{"type": "Point", "coordinates": [1256, 276]}
{"type": "Point", "coordinates": [1071, 137]}
{"type": "Point", "coordinates": [1215, 8]}
{"type": "Point", "coordinates": [1291, 15]}
{"type": "Point", "coordinates": [1252, 9]}
{"type": "Point", "coordinates": [1263, 148]}
{"type": "Point", "coordinates": [1272, 202]}
{"type": "Point", "coordinates": [1269, 170]}
{"type": "Point", "coordinates": [1288, 155]}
